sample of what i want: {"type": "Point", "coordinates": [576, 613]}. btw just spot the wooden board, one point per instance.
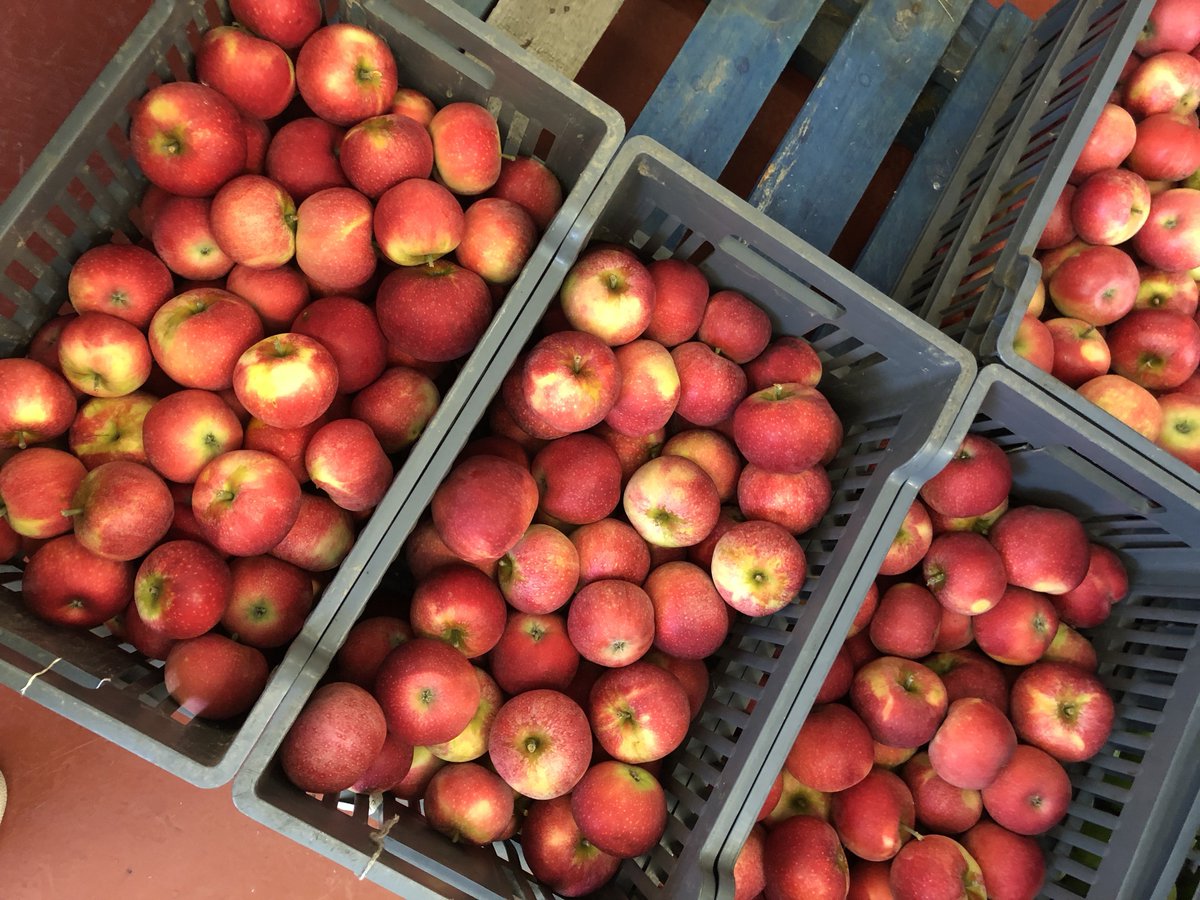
{"type": "Point", "coordinates": [561, 32]}
{"type": "Point", "coordinates": [822, 168]}
{"type": "Point", "coordinates": [712, 91]}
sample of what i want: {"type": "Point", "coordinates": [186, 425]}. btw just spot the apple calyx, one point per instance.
{"type": "Point", "coordinates": [118, 298]}
{"type": "Point", "coordinates": [532, 745]}
{"type": "Point", "coordinates": [425, 696]}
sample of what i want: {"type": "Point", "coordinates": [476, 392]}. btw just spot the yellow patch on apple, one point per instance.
{"type": "Point", "coordinates": [280, 378]}
{"type": "Point", "coordinates": [162, 108]}
{"type": "Point", "coordinates": [29, 411]}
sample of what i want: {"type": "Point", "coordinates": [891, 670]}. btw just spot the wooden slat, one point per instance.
{"type": "Point", "coordinates": [711, 93]}
{"type": "Point", "coordinates": [562, 32]}
{"type": "Point", "coordinates": [835, 145]}
{"type": "Point", "coordinates": [894, 239]}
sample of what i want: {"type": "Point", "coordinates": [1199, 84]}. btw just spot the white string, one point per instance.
{"type": "Point", "coordinates": [378, 837]}
{"type": "Point", "coordinates": [37, 675]}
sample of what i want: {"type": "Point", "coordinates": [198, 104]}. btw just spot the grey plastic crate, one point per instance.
{"type": "Point", "coordinates": [974, 274]}
{"type": "Point", "coordinates": [1130, 821]}
{"type": "Point", "coordinates": [85, 187]}
{"type": "Point", "coordinates": [897, 385]}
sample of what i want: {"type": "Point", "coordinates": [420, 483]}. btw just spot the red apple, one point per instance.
{"type": "Point", "coordinates": [286, 22]}
{"type": "Point", "coordinates": [680, 295]}
{"type": "Point", "coordinates": [1170, 239]}
{"type": "Point", "coordinates": [710, 386]}
{"type": "Point", "coordinates": [185, 431]}
{"type": "Point", "coordinates": [578, 478]}
{"type": "Point", "coordinates": [1167, 290]}
{"type": "Point", "coordinates": [692, 674]}
{"type": "Point", "coordinates": [213, 677]}
{"type": "Point", "coordinates": [1043, 549]}
{"type": "Point", "coordinates": [936, 867]}
{"type": "Point", "coordinates": [795, 501]}
{"type": "Point", "coordinates": [366, 647]}
{"type": "Point", "coordinates": [690, 620]}
{"type": "Point", "coordinates": [1167, 148]}
{"type": "Point", "coordinates": [534, 652]}
{"type": "Point", "coordinates": [472, 742]}
{"type": "Point", "coordinates": [184, 240]}
{"type": "Point", "coordinates": [672, 502]}
{"type": "Point", "coordinates": [620, 808]}
{"type": "Point", "coordinates": [1072, 648]}
{"type": "Point", "coordinates": [1098, 285]}
{"type": "Point", "coordinates": [1034, 343]}
{"type": "Point", "coordinates": [965, 673]}
{"type": "Point", "coordinates": [302, 157]}
{"type": "Point", "coordinates": [428, 691]}
{"type": "Point", "coordinates": [418, 221]}
{"type": "Point", "coordinates": [758, 568]}
{"type": "Point", "coordinates": [198, 336]}
{"type": "Point", "coordinates": [874, 817]}
{"type": "Point", "coordinates": [611, 622]}
{"type": "Point", "coordinates": [785, 428]}
{"type": "Point", "coordinates": [1168, 82]}
{"type": "Point", "coordinates": [797, 799]}
{"type": "Point", "coordinates": [255, 75]}
{"type": "Point", "coordinates": [1127, 402]}
{"type": "Point", "coordinates": [649, 389]}
{"type": "Point", "coordinates": [1063, 709]}
{"type": "Point", "coordinates": [389, 768]}
{"type": "Point", "coordinates": [735, 326]}
{"type": "Point", "coordinates": [382, 151]}
{"type": "Point", "coordinates": [1080, 351]}
{"type": "Point", "coordinates": [972, 745]}
{"type": "Point", "coordinates": [498, 238]}
{"type": "Point", "coordinates": [1031, 794]}
{"type": "Point", "coordinates": [253, 220]}
{"type": "Point", "coordinates": [334, 740]}
{"type": "Point", "coordinates": [866, 610]}
{"type": "Point", "coordinates": [833, 750]}
{"type": "Point", "coordinates": [36, 485]}
{"type": "Point", "coordinates": [397, 405]}
{"type": "Point", "coordinates": [1018, 629]}
{"type": "Point", "coordinates": [786, 359]}
{"type": "Point", "coordinates": [187, 138]}
{"type": "Point", "coordinates": [964, 572]}
{"type": "Point", "coordinates": [466, 147]}
{"type": "Point", "coordinates": [610, 549]}
{"type": "Point", "coordinates": [639, 713]}
{"type": "Point", "coordinates": [333, 238]}
{"type": "Point", "coordinates": [436, 312]}
{"type": "Point", "coordinates": [802, 858]}
{"type": "Point", "coordinates": [1155, 348]}
{"type": "Point", "coordinates": [123, 280]}
{"type": "Point", "coordinates": [103, 356]}
{"type": "Point", "coordinates": [540, 572]}
{"type": "Point", "coordinates": [610, 294]}
{"type": "Point", "coordinates": [558, 854]}
{"type": "Point", "coordinates": [531, 185]}
{"type": "Point", "coordinates": [67, 584]}
{"type": "Point", "coordinates": [1110, 207]}
{"type": "Point", "coordinates": [1178, 433]}
{"type": "Point", "coordinates": [749, 872]}
{"type": "Point", "coordinates": [121, 510]}
{"type": "Point", "coordinates": [182, 589]}
{"type": "Point", "coordinates": [1172, 26]}
{"type": "Point", "coordinates": [424, 766]}
{"type": "Point", "coordinates": [271, 601]}
{"type": "Point", "coordinates": [345, 460]}
{"type": "Point", "coordinates": [901, 701]}
{"type": "Point", "coordinates": [245, 502]}
{"type": "Point", "coordinates": [1111, 139]}
{"type": "Point", "coordinates": [940, 806]}
{"type": "Point", "coordinates": [467, 802]}
{"type": "Point", "coordinates": [484, 507]}
{"type": "Point", "coordinates": [1013, 865]}
{"type": "Point", "coordinates": [460, 605]}
{"type": "Point", "coordinates": [277, 295]}
{"type": "Point", "coordinates": [911, 542]}
{"type": "Point", "coordinates": [1059, 229]}
{"type": "Point", "coordinates": [907, 622]}
{"type": "Point", "coordinates": [540, 744]}
{"type": "Point", "coordinates": [1106, 582]}
{"type": "Point", "coordinates": [346, 73]}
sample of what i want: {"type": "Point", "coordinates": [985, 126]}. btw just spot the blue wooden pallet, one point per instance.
{"type": "Point", "coordinates": [708, 98]}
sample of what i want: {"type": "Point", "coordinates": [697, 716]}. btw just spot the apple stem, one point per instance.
{"type": "Point", "coordinates": [74, 511]}
{"type": "Point", "coordinates": [613, 281]}
{"type": "Point", "coordinates": [911, 832]}
{"type": "Point", "coordinates": [935, 579]}
{"type": "Point", "coordinates": [21, 440]}
{"type": "Point", "coordinates": [224, 496]}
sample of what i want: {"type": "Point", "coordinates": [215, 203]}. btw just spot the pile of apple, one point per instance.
{"type": "Point", "coordinates": [963, 689]}
{"type": "Point", "coordinates": [581, 560]}
{"type": "Point", "coordinates": [252, 346]}
{"type": "Point", "coordinates": [1121, 251]}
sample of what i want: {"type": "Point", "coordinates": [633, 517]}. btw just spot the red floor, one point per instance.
{"type": "Point", "coordinates": [86, 818]}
